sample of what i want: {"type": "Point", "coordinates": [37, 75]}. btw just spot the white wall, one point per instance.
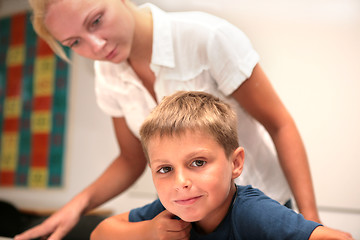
{"type": "Point", "coordinates": [310, 50]}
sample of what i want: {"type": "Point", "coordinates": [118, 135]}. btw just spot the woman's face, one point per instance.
{"type": "Point", "coordinates": [99, 30]}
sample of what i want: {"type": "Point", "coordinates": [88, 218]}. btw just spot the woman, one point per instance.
{"type": "Point", "coordinates": [143, 54]}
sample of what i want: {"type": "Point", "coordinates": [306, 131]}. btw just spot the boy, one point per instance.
{"type": "Point", "coordinates": [190, 141]}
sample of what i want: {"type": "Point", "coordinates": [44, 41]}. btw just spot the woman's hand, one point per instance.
{"type": "Point", "coordinates": [122, 172]}
{"type": "Point", "coordinates": [58, 224]}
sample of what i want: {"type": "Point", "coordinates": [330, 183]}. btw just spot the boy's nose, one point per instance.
{"type": "Point", "coordinates": [182, 182]}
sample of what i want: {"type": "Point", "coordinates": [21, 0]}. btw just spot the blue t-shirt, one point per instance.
{"type": "Point", "coordinates": [252, 215]}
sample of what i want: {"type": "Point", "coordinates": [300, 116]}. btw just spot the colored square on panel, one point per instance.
{"type": "Point", "coordinates": [9, 151]}
{"type": "Point", "coordinates": [55, 160]}
{"type": "Point", "coordinates": [24, 160]}
{"type": "Point", "coordinates": [8, 161]}
{"type": "Point", "coordinates": [44, 76]}
{"type": "Point", "coordinates": [13, 84]}
{"type": "Point", "coordinates": [7, 178]}
{"type": "Point", "coordinates": [5, 26]}
{"type": "Point", "coordinates": [39, 158]}
{"type": "Point", "coordinates": [58, 122]}
{"type": "Point", "coordinates": [57, 140]}
{"type": "Point", "coordinates": [59, 102]}
{"type": "Point", "coordinates": [45, 66]}
{"type": "Point", "coordinates": [43, 49]}
{"type": "Point", "coordinates": [17, 34]}
{"type": "Point", "coordinates": [38, 177]}
{"type": "Point", "coordinates": [25, 124]}
{"type": "Point", "coordinates": [40, 150]}
{"type": "Point", "coordinates": [9, 142]}
{"type": "Point", "coordinates": [41, 122]}
{"type": "Point", "coordinates": [15, 55]}
{"type": "Point", "coordinates": [43, 87]}
{"type": "Point", "coordinates": [21, 179]}
{"type": "Point", "coordinates": [11, 125]}
{"type": "Point", "coordinates": [12, 107]}
{"type": "Point", "coordinates": [25, 141]}
{"type": "Point", "coordinates": [42, 103]}
{"type": "Point", "coordinates": [55, 180]}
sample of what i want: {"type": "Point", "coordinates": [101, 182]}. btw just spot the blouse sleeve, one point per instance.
{"type": "Point", "coordinates": [231, 57]}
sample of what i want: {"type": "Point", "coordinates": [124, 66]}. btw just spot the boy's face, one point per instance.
{"type": "Point", "coordinates": [193, 176]}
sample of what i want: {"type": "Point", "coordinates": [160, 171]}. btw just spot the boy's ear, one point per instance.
{"type": "Point", "coordinates": [237, 159]}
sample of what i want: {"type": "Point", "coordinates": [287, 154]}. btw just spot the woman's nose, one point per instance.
{"type": "Point", "coordinates": [97, 43]}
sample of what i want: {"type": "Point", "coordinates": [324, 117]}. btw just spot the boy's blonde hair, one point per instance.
{"type": "Point", "coordinates": [193, 111]}
{"type": "Point", "coordinates": [39, 8]}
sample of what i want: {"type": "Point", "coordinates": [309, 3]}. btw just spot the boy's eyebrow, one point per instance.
{"type": "Point", "coordinates": [196, 152]}
{"type": "Point", "coordinates": [187, 156]}
{"type": "Point", "coordinates": [157, 160]}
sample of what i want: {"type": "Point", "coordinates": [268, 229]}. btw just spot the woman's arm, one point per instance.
{"type": "Point", "coordinates": [121, 174]}
{"type": "Point", "coordinates": [258, 98]}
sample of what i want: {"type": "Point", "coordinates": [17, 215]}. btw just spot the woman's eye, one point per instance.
{"type": "Point", "coordinates": [74, 43]}
{"type": "Point", "coordinates": [165, 169]}
{"type": "Point", "coordinates": [198, 163]}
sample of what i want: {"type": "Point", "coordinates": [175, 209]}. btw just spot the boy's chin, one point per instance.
{"type": "Point", "coordinates": [189, 218]}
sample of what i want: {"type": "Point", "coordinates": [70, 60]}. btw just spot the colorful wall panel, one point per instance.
{"type": "Point", "coordinates": [33, 102]}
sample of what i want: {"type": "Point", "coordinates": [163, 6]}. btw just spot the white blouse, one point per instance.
{"type": "Point", "coordinates": [199, 52]}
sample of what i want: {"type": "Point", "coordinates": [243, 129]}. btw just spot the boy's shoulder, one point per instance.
{"type": "Point", "coordinates": [146, 212]}
{"type": "Point", "coordinates": [251, 204]}
{"type": "Point", "coordinates": [255, 216]}
{"type": "Point", "coordinates": [247, 194]}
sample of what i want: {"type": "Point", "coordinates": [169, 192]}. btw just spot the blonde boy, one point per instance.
{"type": "Point", "coordinates": [191, 143]}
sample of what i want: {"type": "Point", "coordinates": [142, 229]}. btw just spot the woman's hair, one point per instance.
{"type": "Point", "coordinates": [39, 8]}
{"type": "Point", "coordinates": [194, 111]}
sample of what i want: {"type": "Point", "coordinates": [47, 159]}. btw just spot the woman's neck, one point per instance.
{"type": "Point", "coordinates": [143, 36]}
{"type": "Point", "coordinates": [140, 55]}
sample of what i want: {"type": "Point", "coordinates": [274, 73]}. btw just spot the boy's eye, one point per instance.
{"type": "Point", "coordinates": [97, 21]}
{"type": "Point", "coordinates": [164, 169]}
{"type": "Point", "coordinates": [198, 163]}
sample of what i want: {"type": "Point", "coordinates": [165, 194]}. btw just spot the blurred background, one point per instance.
{"type": "Point", "coordinates": [310, 49]}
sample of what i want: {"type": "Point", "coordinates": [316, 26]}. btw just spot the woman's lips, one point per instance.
{"type": "Point", "coordinates": [112, 54]}
{"type": "Point", "coordinates": [188, 201]}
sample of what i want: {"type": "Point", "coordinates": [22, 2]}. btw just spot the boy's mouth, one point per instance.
{"type": "Point", "coordinates": [188, 201]}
